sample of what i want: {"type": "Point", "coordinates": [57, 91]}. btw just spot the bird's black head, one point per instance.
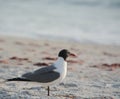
{"type": "Point", "coordinates": [64, 54]}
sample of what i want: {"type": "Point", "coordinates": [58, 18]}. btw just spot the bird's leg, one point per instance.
{"type": "Point", "coordinates": [48, 91]}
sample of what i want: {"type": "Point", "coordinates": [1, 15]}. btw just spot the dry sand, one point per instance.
{"type": "Point", "coordinates": [93, 74]}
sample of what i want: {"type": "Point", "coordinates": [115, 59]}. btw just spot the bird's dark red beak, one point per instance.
{"type": "Point", "coordinates": [72, 54]}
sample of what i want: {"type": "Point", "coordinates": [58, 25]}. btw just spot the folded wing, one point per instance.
{"type": "Point", "coordinates": [43, 75]}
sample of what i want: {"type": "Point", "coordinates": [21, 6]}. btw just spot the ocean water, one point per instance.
{"type": "Point", "coordinates": [95, 21]}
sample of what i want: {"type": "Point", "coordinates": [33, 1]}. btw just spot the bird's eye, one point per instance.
{"type": "Point", "coordinates": [68, 52]}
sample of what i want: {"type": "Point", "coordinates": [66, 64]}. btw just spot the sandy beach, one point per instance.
{"type": "Point", "coordinates": [93, 74]}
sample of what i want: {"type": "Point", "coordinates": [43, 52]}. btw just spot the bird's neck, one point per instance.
{"type": "Point", "coordinates": [60, 63]}
{"type": "Point", "coordinates": [60, 59]}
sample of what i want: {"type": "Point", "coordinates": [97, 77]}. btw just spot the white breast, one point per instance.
{"type": "Point", "coordinates": [61, 66]}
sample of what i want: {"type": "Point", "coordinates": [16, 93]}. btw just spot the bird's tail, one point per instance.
{"type": "Point", "coordinates": [18, 79]}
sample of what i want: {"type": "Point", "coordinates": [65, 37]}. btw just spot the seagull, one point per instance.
{"type": "Point", "coordinates": [49, 75]}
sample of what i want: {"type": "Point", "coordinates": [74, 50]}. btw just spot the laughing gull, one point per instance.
{"type": "Point", "coordinates": [48, 75]}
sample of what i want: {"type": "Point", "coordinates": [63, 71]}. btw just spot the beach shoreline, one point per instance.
{"type": "Point", "coordinates": [94, 73]}
{"type": "Point", "coordinates": [58, 38]}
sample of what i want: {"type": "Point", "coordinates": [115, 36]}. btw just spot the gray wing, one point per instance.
{"type": "Point", "coordinates": [43, 75]}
